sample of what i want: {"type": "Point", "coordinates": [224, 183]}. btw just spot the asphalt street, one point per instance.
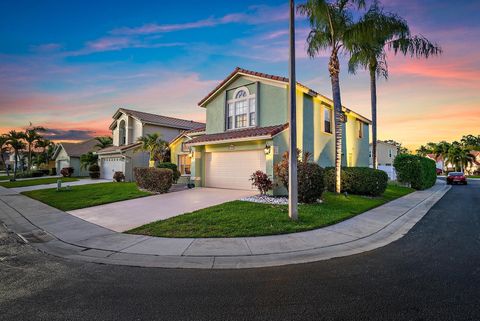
{"type": "Point", "coordinates": [433, 273]}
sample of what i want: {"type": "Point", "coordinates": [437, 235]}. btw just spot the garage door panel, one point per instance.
{"type": "Point", "coordinates": [110, 166]}
{"type": "Point", "coordinates": [233, 169]}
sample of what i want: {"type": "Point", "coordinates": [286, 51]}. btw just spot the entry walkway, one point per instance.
{"type": "Point", "coordinates": [67, 236]}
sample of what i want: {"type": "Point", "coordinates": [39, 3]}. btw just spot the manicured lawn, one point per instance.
{"type": "Point", "coordinates": [39, 181]}
{"type": "Point", "coordinates": [473, 176]}
{"type": "Point", "coordinates": [87, 195]}
{"type": "Point", "coordinates": [5, 177]}
{"type": "Point", "coordinates": [239, 218]}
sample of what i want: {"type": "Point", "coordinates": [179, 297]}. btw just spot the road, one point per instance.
{"type": "Point", "coordinates": [433, 273]}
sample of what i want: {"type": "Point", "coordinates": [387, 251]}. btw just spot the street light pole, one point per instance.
{"type": "Point", "coordinates": [292, 119]}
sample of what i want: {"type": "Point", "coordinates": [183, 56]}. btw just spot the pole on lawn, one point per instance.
{"type": "Point", "coordinates": [292, 120]}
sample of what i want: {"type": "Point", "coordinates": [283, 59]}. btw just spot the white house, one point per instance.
{"type": "Point", "coordinates": [127, 126]}
{"type": "Point", "coordinates": [386, 153]}
{"type": "Point", "coordinates": [68, 155]}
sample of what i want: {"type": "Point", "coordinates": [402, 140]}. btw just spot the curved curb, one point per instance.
{"type": "Point", "coordinates": [346, 240]}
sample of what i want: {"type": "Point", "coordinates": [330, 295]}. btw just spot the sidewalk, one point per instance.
{"type": "Point", "coordinates": [67, 236]}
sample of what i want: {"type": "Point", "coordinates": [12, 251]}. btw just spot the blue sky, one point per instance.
{"type": "Point", "coordinates": [69, 65]}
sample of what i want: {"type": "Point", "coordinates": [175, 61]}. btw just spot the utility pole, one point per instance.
{"type": "Point", "coordinates": [292, 120]}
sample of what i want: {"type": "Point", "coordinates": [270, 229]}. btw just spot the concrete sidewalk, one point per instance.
{"type": "Point", "coordinates": [64, 235]}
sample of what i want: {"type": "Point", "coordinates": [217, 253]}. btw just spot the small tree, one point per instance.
{"type": "Point", "coordinates": [155, 146]}
{"type": "Point", "coordinates": [88, 159]}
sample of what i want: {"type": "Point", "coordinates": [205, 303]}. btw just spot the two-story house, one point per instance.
{"type": "Point", "coordinates": [127, 126]}
{"type": "Point", "coordinates": [247, 130]}
{"type": "Point", "coordinates": [386, 153]}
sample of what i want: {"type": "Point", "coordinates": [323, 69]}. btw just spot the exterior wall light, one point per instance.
{"type": "Point", "coordinates": [267, 149]}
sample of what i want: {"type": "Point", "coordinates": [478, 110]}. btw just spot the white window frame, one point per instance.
{"type": "Point", "coordinates": [330, 113]}
{"type": "Point", "coordinates": [251, 102]}
{"type": "Point", "coordinates": [182, 167]}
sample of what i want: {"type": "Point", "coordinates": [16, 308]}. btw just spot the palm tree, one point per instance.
{"type": "Point", "coordinates": [31, 136]}
{"type": "Point", "coordinates": [387, 31]}
{"type": "Point", "coordinates": [88, 159]}
{"type": "Point", "coordinates": [441, 150]}
{"type": "Point", "coordinates": [423, 151]}
{"type": "Point", "coordinates": [104, 141]}
{"type": "Point", "coordinates": [459, 156]}
{"type": "Point", "coordinates": [332, 27]}
{"type": "Point", "coordinates": [15, 141]}
{"type": "Point", "coordinates": [44, 144]}
{"type": "Point", "coordinates": [154, 145]}
{"type": "Point", "coordinates": [3, 149]}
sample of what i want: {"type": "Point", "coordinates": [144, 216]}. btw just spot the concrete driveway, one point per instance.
{"type": "Point", "coordinates": [125, 215]}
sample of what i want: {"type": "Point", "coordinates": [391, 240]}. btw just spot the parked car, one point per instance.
{"type": "Point", "coordinates": [456, 178]}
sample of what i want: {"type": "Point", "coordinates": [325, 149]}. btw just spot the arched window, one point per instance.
{"type": "Point", "coordinates": [122, 133]}
{"type": "Point", "coordinates": [242, 109]}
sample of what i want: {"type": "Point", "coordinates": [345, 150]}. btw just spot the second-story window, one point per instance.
{"type": "Point", "coordinates": [360, 129]}
{"type": "Point", "coordinates": [327, 114]}
{"type": "Point", "coordinates": [241, 110]}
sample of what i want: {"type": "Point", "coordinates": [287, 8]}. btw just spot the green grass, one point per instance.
{"type": "Point", "coordinates": [39, 181]}
{"type": "Point", "coordinates": [238, 218]}
{"type": "Point", "coordinates": [473, 176]}
{"type": "Point", "coordinates": [5, 177]}
{"type": "Point", "coordinates": [87, 195]}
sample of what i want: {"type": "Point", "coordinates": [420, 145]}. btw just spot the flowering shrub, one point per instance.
{"type": "Point", "coordinates": [157, 180]}
{"type": "Point", "coordinates": [118, 177]}
{"type": "Point", "coordinates": [67, 171]}
{"type": "Point", "coordinates": [261, 181]}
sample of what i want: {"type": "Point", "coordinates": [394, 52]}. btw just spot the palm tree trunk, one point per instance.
{"type": "Point", "coordinates": [334, 69]}
{"type": "Point", "coordinates": [373, 94]}
{"type": "Point", "coordinates": [29, 157]}
{"type": "Point", "coordinates": [15, 166]}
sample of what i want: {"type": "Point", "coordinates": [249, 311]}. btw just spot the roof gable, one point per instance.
{"type": "Point", "coordinates": [78, 149]}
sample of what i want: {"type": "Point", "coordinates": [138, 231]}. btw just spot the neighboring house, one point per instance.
{"type": "Point", "coordinates": [127, 126]}
{"type": "Point", "coordinates": [247, 130]}
{"type": "Point", "coordinates": [386, 154]}
{"type": "Point", "coordinates": [438, 161]}
{"type": "Point", "coordinates": [68, 155]}
{"type": "Point", "coordinates": [474, 168]}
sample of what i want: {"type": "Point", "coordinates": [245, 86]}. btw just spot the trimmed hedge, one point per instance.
{"type": "Point", "coordinates": [420, 172]}
{"type": "Point", "coordinates": [157, 180]}
{"type": "Point", "coordinates": [358, 180]}
{"type": "Point", "coordinates": [94, 171]}
{"type": "Point", "coordinates": [173, 167]}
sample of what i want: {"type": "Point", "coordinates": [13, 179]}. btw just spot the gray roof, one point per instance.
{"type": "Point", "coordinates": [78, 149]}
{"type": "Point", "coordinates": [159, 119]}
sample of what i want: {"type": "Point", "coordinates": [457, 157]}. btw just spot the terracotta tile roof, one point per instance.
{"type": "Point", "coordinates": [78, 149]}
{"type": "Point", "coordinates": [241, 133]}
{"type": "Point", "coordinates": [161, 120]}
{"type": "Point", "coordinates": [118, 149]}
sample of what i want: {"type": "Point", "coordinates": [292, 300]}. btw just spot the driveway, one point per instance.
{"type": "Point", "coordinates": [125, 215]}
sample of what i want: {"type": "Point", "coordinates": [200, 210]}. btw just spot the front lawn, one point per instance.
{"type": "Point", "coordinates": [5, 177]}
{"type": "Point", "coordinates": [87, 195]}
{"type": "Point", "coordinates": [239, 218]}
{"type": "Point", "coordinates": [473, 176]}
{"type": "Point", "coordinates": [39, 181]}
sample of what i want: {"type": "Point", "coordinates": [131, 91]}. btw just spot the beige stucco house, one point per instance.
{"type": "Point", "coordinates": [127, 126]}
{"type": "Point", "coordinates": [386, 153]}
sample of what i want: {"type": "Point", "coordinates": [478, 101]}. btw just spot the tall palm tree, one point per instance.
{"type": "Point", "coordinates": [104, 141]}
{"type": "Point", "coordinates": [44, 144]}
{"type": "Point", "coordinates": [459, 156]}
{"type": "Point", "coordinates": [423, 151]}
{"type": "Point", "coordinates": [332, 27]}
{"type": "Point", "coordinates": [3, 149]}
{"type": "Point", "coordinates": [154, 145]}
{"type": "Point", "coordinates": [441, 150]}
{"type": "Point", "coordinates": [15, 141]}
{"type": "Point", "coordinates": [387, 31]}
{"type": "Point", "coordinates": [32, 136]}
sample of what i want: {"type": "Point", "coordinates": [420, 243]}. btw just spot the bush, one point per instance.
{"type": "Point", "coordinates": [37, 174]}
{"type": "Point", "coordinates": [358, 180]}
{"type": "Point", "coordinates": [418, 171]}
{"type": "Point", "coordinates": [67, 171]}
{"type": "Point", "coordinates": [94, 171]}
{"type": "Point", "coordinates": [118, 177]}
{"type": "Point", "coordinates": [173, 167]}
{"type": "Point", "coordinates": [261, 181]}
{"type": "Point", "coordinates": [53, 171]}
{"type": "Point", "coordinates": [157, 180]}
{"type": "Point", "coordinates": [309, 175]}
{"type": "Point", "coordinates": [45, 171]}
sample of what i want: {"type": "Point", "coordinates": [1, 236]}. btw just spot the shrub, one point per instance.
{"type": "Point", "coordinates": [261, 181]}
{"type": "Point", "coordinates": [157, 180]}
{"type": "Point", "coordinates": [45, 171]}
{"type": "Point", "coordinates": [67, 171]}
{"type": "Point", "coordinates": [309, 175]}
{"type": "Point", "coordinates": [358, 180]}
{"type": "Point", "coordinates": [418, 171]}
{"type": "Point", "coordinates": [53, 171]}
{"type": "Point", "coordinates": [94, 171]}
{"type": "Point", "coordinates": [37, 174]}
{"type": "Point", "coordinates": [173, 167]}
{"type": "Point", "coordinates": [118, 177]}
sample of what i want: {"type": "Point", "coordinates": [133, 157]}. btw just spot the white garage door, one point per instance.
{"type": "Point", "coordinates": [110, 166]}
{"type": "Point", "coordinates": [233, 169]}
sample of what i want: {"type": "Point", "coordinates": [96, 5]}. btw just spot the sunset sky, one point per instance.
{"type": "Point", "coordinates": [69, 65]}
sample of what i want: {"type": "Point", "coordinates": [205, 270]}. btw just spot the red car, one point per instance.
{"type": "Point", "coordinates": [456, 178]}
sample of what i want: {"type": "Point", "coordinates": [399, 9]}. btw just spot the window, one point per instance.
{"type": "Point", "coordinates": [241, 110]}
{"type": "Point", "coordinates": [185, 148]}
{"type": "Point", "coordinates": [184, 163]}
{"type": "Point", "coordinates": [327, 114]}
{"type": "Point", "coordinates": [389, 153]}
{"type": "Point", "coordinates": [370, 154]}
{"type": "Point", "coordinates": [360, 129]}
{"type": "Point", "coordinates": [122, 133]}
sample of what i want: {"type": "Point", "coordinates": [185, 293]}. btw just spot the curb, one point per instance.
{"type": "Point", "coordinates": [354, 242]}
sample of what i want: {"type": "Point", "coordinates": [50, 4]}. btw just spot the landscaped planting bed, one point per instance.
{"type": "Point", "coordinates": [241, 218]}
{"type": "Point", "coordinates": [87, 195]}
